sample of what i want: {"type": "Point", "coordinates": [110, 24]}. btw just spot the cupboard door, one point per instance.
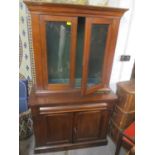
{"type": "Point", "coordinates": [98, 54]}
{"type": "Point", "coordinates": [59, 128]}
{"type": "Point", "coordinates": [87, 126]}
{"type": "Point", "coordinates": [58, 41]}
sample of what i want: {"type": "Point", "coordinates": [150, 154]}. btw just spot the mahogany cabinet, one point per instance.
{"type": "Point", "coordinates": [74, 46]}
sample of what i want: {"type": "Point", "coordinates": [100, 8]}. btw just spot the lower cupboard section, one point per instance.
{"type": "Point", "coordinates": [70, 130]}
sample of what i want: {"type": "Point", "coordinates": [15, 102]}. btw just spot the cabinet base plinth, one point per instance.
{"type": "Point", "coordinates": [70, 146]}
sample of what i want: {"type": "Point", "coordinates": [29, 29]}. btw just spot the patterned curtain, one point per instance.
{"type": "Point", "coordinates": [26, 59]}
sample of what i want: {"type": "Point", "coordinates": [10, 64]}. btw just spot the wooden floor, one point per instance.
{"type": "Point", "coordinates": [26, 148]}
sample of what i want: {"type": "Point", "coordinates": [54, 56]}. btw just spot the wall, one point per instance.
{"type": "Point", "coordinates": [122, 70]}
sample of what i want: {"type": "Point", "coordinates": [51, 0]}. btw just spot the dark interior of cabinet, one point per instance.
{"type": "Point", "coordinates": [79, 52]}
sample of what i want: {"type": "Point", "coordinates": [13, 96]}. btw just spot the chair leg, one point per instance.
{"type": "Point", "coordinates": [119, 143]}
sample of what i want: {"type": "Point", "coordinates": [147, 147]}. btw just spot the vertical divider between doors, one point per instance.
{"type": "Point", "coordinates": [86, 55]}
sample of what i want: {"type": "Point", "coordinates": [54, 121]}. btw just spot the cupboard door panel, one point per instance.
{"type": "Point", "coordinates": [87, 125]}
{"type": "Point", "coordinates": [59, 128]}
{"type": "Point", "coordinates": [96, 54]}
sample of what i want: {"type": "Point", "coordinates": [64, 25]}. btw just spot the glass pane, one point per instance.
{"type": "Point", "coordinates": [79, 51]}
{"type": "Point", "coordinates": [58, 36]}
{"type": "Point", "coordinates": [97, 49]}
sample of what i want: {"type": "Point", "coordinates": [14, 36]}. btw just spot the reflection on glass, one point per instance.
{"type": "Point", "coordinates": [58, 51]}
{"type": "Point", "coordinates": [79, 51]}
{"type": "Point", "coordinates": [97, 49]}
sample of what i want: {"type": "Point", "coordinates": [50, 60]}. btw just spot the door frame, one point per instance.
{"type": "Point", "coordinates": [108, 54]}
{"type": "Point", "coordinates": [73, 20]}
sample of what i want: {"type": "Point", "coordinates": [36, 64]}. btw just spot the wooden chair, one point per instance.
{"type": "Point", "coordinates": [126, 137]}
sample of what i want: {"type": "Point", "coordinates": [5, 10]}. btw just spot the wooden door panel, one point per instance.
{"type": "Point", "coordinates": [59, 128]}
{"type": "Point", "coordinates": [87, 125]}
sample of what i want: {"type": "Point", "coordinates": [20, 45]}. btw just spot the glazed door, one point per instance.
{"type": "Point", "coordinates": [97, 54]}
{"type": "Point", "coordinates": [58, 42]}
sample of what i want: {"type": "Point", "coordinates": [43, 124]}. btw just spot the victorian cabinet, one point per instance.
{"type": "Point", "coordinates": [74, 45]}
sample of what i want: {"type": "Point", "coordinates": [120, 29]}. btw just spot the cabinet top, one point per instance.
{"type": "Point", "coordinates": [99, 5]}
